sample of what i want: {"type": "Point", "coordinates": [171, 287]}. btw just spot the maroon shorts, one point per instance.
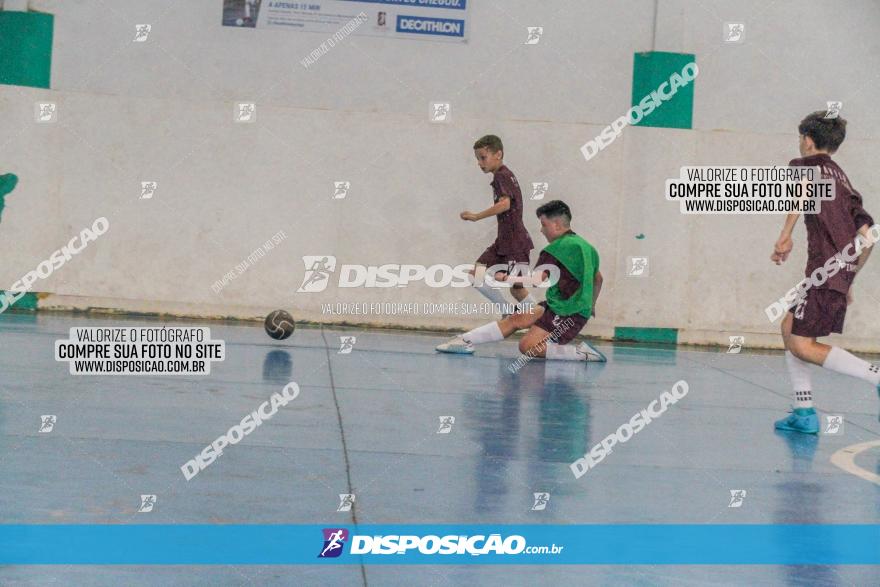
{"type": "Point", "coordinates": [562, 329]}
{"type": "Point", "coordinates": [491, 256]}
{"type": "Point", "coordinates": [819, 314]}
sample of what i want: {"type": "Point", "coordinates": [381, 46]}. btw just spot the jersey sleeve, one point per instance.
{"type": "Point", "coordinates": [546, 258]}
{"type": "Point", "coordinates": [505, 187]}
{"type": "Point", "coordinates": [859, 214]}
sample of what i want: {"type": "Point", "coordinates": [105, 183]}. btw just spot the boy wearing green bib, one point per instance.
{"type": "Point", "coordinates": [570, 302]}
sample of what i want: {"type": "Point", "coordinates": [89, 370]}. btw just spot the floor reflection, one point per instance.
{"type": "Point", "coordinates": [532, 424]}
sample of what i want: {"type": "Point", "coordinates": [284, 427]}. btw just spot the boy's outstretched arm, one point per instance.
{"type": "Point", "coordinates": [784, 244]}
{"type": "Point", "coordinates": [503, 205]}
{"type": "Point", "coordinates": [532, 279]}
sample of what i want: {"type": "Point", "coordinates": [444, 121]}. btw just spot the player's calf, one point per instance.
{"type": "Point", "coordinates": [491, 332]}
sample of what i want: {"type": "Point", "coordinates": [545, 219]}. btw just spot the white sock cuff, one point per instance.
{"type": "Point", "coordinates": [843, 361]}
{"type": "Point", "coordinates": [490, 293]}
{"type": "Point", "coordinates": [803, 399]}
{"type": "Point", "coordinates": [490, 332]}
{"type": "Point", "coordinates": [836, 356]}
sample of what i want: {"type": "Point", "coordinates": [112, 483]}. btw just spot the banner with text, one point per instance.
{"type": "Point", "coordinates": [443, 20]}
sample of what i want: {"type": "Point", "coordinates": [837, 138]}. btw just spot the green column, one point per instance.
{"type": "Point", "coordinates": [651, 69]}
{"type": "Point", "coordinates": [26, 48]}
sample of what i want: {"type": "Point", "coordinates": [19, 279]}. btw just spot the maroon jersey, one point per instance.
{"type": "Point", "coordinates": [513, 238]}
{"type": "Point", "coordinates": [568, 283]}
{"type": "Point", "coordinates": [836, 226]}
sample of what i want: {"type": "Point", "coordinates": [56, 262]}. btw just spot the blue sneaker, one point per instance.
{"type": "Point", "coordinates": [800, 420]}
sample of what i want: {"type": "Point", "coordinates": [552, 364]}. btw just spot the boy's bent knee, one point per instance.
{"type": "Point", "coordinates": [532, 347]}
{"type": "Point", "coordinates": [798, 346]}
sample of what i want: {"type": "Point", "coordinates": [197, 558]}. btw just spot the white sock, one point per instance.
{"type": "Point", "coordinates": [563, 352]}
{"type": "Point", "coordinates": [492, 294]}
{"type": "Point", "coordinates": [801, 383]}
{"type": "Point", "coordinates": [847, 363]}
{"type": "Point", "coordinates": [486, 333]}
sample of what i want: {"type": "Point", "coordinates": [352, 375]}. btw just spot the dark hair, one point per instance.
{"type": "Point", "coordinates": [554, 209]}
{"type": "Point", "coordinates": [491, 142]}
{"type": "Point", "coordinates": [827, 133]}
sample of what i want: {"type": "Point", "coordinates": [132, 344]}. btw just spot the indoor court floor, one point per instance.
{"type": "Point", "coordinates": [368, 423]}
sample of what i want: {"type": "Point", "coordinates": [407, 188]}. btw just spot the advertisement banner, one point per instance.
{"type": "Point", "coordinates": [443, 20]}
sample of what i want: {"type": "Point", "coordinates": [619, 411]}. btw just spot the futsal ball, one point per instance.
{"type": "Point", "coordinates": [239, 21]}
{"type": "Point", "coordinates": [279, 324]}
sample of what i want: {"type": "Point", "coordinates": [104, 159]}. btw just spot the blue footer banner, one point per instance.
{"type": "Point", "coordinates": [173, 544]}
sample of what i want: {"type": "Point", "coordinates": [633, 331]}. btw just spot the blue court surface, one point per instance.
{"type": "Point", "coordinates": [368, 423]}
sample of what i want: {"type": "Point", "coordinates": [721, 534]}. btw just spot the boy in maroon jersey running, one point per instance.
{"type": "Point", "coordinates": [513, 243]}
{"type": "Point", "coordinates": [822, 310]}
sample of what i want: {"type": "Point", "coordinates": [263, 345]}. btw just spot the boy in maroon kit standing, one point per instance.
{"type": "Point", "coordinates": [513, 244]}
{"type": "Point", "coordinates": [832, 231]}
